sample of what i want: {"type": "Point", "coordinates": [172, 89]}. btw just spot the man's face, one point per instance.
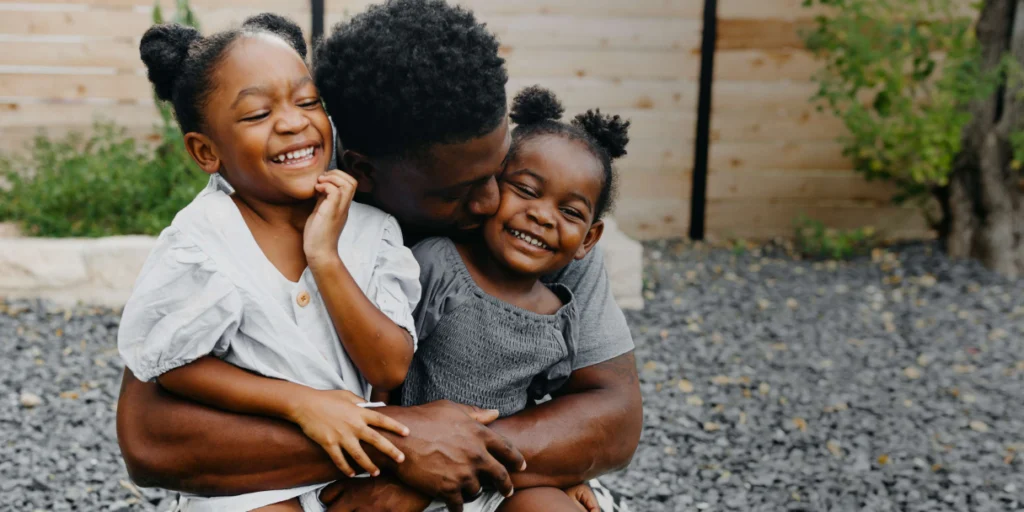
{"type": "Point", "coordinates": [452, 188]}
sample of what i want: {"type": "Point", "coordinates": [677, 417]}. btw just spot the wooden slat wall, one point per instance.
{"type": "Point", "coordinates": [772, 156]}
{"type": "Point", "coordinates": [64, 63]}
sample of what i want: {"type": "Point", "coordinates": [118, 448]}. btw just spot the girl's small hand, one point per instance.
{"type": "Point", "coordinates": [335, 422]}
{"type": "Point", "coordinates": [584, 497]}
{"type": "Point", "coordinates": [335, 191]}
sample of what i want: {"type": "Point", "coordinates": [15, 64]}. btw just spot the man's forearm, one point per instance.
{"type": "Point", "coordinates": [592, 429]}
{"type": "Point", "coordinates": [171, 443]}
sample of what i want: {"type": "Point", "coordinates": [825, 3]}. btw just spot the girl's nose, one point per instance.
{"type": "Point", "coordinates": [485, 199]}
{"type": "Point", "coordinates": [292, 121]}
{"type": "Point", "coordinates": [541, 214]}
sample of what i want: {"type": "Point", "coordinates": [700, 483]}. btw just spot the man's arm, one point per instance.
{"type": "Point", "coordinates": [175, 444]}
{"type": "Point", "coordinates": [591, 428]}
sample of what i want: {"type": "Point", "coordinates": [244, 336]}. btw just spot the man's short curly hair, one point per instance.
{"type": "Point", "coordinates": [408, 75]}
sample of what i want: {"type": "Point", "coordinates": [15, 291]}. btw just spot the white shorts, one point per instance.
{"type": "Point", "coordinates": [310, 501]}
{"type": "Point", "coordinates": [487, 502]}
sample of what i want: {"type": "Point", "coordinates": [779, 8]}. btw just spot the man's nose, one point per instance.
{"type": "Point", "coordinates": [485, 199]}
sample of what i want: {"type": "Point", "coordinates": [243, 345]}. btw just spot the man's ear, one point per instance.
{"type": "Point", "coordinates": [201, 149]}
{"type": "Point", "coordinates": [590, 240]}
{"type": "Point", "coordinates": [360, 167]}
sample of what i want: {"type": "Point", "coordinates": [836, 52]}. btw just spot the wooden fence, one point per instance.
{"type": "Point", "coordinates": [64, 63]}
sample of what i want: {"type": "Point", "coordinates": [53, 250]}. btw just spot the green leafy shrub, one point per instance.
{"type": "Point", "coordinates": [814, 240]}
{"type": "Point", "coordinates": [900, 75]}
{"type": "Point", "coordinates": [101, 185]}
{"type": "Point", "coordinates": [105, 183]}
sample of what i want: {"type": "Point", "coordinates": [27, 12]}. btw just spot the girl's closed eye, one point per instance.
{"type": "Point", "coordinates": [256, 116]}
{"type": "Point", "coordinates": [574, 214]}
{"type": "Point", "coordinates": [525, 190]}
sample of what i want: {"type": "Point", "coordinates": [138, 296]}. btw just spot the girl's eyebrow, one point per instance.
{"type": "Point", "coordinates": [264, 90]}
{"type": "Point", "coordinates": [583, 198]}
{"type": "Point", "coordinates": [256, 90]}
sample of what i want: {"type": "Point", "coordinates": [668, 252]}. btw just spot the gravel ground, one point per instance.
{"type": "Point", "coordinates": [888, 383]}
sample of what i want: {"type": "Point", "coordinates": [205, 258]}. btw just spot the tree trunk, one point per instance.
{"type": "Point", "coordinates": [983, 206]}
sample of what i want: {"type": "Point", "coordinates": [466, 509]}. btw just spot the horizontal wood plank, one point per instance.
{"type": "Point", "coordinates": [612, 64]}
{"type": "Point", "coordinates": [794, 9]}
{"type": "Point", "coordinates": [763, 219]}
{"type": "Point", "coordinates": [785, 185]}
{"type": "Point", "coordinates": [765, 65]}
{"type": "Point", "coordinates": [690, 9]}
{"type": "Point", "coordinates": [127, 87]}
{"type": "Point", "coordinates": [649, 219]}
{"type": "Point", "coordinates": [582, 93]}
{"type": "Point", "coordinates": [797, 124]}
{"type": "Point", "coordinates": [576, 94]}
{"type": "Point", "coordinates": [125, 23]}
{"type": "Point", "coordinates": [813, 155]}
{"type": "Point", "coordinates": [761, 34]}
{"type": "Point", "coordinates": [745, 96]}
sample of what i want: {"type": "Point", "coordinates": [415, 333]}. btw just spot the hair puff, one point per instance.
{"type": "Point", "coordinates": [535, 104]}
{"type": "Point", "coordinates": [610, 132]}
{"type": "Point", "coordinates": [280, 26]}
{"type": "Point", "coordinates": [164, 49]}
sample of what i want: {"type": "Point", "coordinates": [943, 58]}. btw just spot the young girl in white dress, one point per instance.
{"type": "Point", "coordinates": [272, 293]}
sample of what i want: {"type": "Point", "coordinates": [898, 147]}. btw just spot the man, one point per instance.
{"type": "Point", "coordinates": [417, 91]}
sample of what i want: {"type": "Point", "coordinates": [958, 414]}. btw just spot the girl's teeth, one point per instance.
{"type": "Point", "coordinates": [295, 155]}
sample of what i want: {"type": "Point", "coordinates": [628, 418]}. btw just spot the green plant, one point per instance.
{"type": "Point", "coordinates": [814, 240]}
{"type": "Point", "coordinates": [900, 75]}
{"type": "Point", "coordinates": [105, 183]}
{"type": "Point", "coordinates": [100, 185]}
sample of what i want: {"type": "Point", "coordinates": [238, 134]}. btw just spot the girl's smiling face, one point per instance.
{"type": "Point", "coordinates": [266, 130]}
{"type": "Point", "coordinates": [549, 191]}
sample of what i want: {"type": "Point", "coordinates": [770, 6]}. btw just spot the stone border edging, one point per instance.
{"type": "Point", "coordinates": [102, 271]}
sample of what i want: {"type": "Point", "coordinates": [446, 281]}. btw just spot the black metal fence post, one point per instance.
{"type": "Point", "coordinates": [317, 8]}
{"type": "Point", "coordinates": [698, 194]}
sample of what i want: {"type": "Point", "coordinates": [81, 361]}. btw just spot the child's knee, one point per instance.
{"type": "Point", "coordinates": [539, 498]}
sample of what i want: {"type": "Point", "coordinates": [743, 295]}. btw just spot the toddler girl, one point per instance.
{"type": "Point", "coordinates": [271, 293]}
{"type": "Point", "coordinates": [492, 334]}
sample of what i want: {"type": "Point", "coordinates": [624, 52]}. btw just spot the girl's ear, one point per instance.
{"type": "Point", "coordinates": [201, 148]}
{"type": "Point", "coordinates": [360, 167]}
{"type": "Point", "coordinates": [590, 240]}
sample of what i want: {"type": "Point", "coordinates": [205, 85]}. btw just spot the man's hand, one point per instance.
{"type": "Point", "coordinates": [366, 494]}
{"type": "Point", "coordinates": [450, 454]}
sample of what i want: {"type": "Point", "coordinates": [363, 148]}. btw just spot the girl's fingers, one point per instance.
{"type": "Point", "coordinates": [376, 419]}
{"type": "Point", "coordinates": [381, 443]}
{"type": "Point", "coordinates": [351, 445]}
{"type": "Point", "coordinates": [339, 460]}
{"type": "Point", "coordinates": [339, 179]}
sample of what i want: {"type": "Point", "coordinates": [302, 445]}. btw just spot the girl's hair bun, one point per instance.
{"type": "Point", "coordinates": [610, 132]}
{"type": "Point", "coordinates": [164, 49]}
{"type": "Point", "coordinates": [284, 27]}
{"type": "Point", "coordinates": [535, 104]}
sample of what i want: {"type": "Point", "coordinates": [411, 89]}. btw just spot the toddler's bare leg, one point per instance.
{"type": "Point", "coordinates": [540, 498]}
